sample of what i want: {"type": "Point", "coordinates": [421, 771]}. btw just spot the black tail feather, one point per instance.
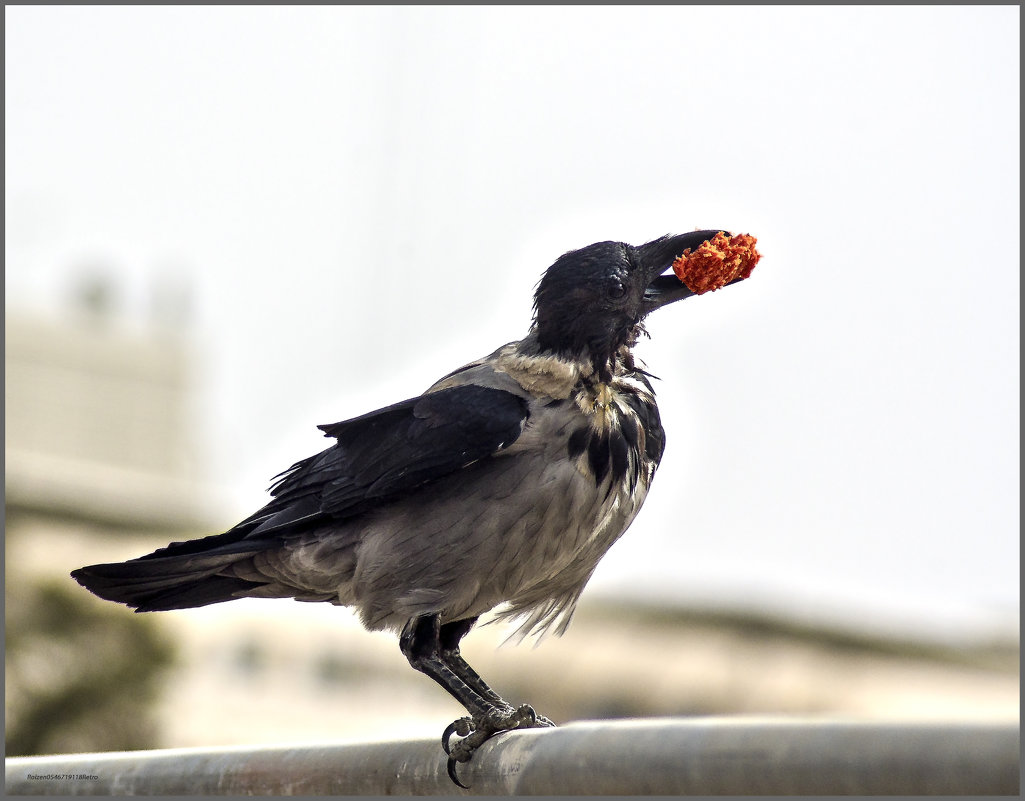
{"type": "Point", "coordinates": [163, 583]}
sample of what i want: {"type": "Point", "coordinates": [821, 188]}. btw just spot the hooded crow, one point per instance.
{"type": "Point", "coordinates": [502, 485]}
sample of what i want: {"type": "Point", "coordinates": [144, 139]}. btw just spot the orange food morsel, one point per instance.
{"type": "Point", "coordinates": [716, 262]}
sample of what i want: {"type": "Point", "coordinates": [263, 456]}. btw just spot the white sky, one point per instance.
{"type": "Point", "coordinates": [375, 191]}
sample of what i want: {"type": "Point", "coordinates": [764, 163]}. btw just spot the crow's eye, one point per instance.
{"type": "Point", "coordinates": [615, 289]}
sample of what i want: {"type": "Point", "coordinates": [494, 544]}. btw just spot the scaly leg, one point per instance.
{"type": "Point", "coordinates": [449, 636]}
{"type": "Point", "coordinates": [433, 649]}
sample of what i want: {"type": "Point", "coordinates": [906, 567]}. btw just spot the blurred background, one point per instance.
{"type": "Point", "coordinates": [227, 225]}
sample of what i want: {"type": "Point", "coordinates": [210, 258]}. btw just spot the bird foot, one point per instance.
{"type": "Point", "coordinates": [478, 730]}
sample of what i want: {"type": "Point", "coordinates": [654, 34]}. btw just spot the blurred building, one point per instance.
{"type": "Point", "coordinates": [97, 426]}
{"type": "Point", "coordinates": [98, 466]}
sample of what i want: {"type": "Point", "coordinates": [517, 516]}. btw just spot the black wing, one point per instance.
{"type": "Point", "coordinates": [388, 453]}
{"type": "Point", "coordinates": [377, 457]}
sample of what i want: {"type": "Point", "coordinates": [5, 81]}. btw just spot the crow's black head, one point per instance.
{"type": "Point", "coordinates": [591, 301]}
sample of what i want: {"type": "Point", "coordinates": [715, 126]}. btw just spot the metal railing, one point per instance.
{"type": "Point", "coordinates": [698, 756]}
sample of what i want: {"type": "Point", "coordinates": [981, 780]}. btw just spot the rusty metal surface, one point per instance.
{"type": "Point", "coordinates": [698, 756]}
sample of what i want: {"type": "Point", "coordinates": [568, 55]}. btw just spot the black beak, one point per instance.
{"type": "Point", "coordinates": [656, 258]}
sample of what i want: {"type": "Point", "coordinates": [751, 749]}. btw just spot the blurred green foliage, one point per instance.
{"type": "Point", "coordinates": [81, 675]}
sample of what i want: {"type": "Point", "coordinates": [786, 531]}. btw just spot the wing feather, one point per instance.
{"type": "Point", "coordinates": [388, 453]}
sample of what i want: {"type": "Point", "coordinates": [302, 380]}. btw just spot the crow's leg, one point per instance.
{"type": "Point", "coordinates": [449, 637]}
{"type": "Point", "coordinates": [437, 655]}
{"type": "Point", "coordinates": [420, 642]}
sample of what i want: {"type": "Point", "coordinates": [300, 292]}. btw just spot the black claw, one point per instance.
{"type": "Point", "coordinates": [460, 726]}
{"type": "Point", "coordinates": [452, 773]}
{"type": "Point", "coordinates": [447, 735]}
